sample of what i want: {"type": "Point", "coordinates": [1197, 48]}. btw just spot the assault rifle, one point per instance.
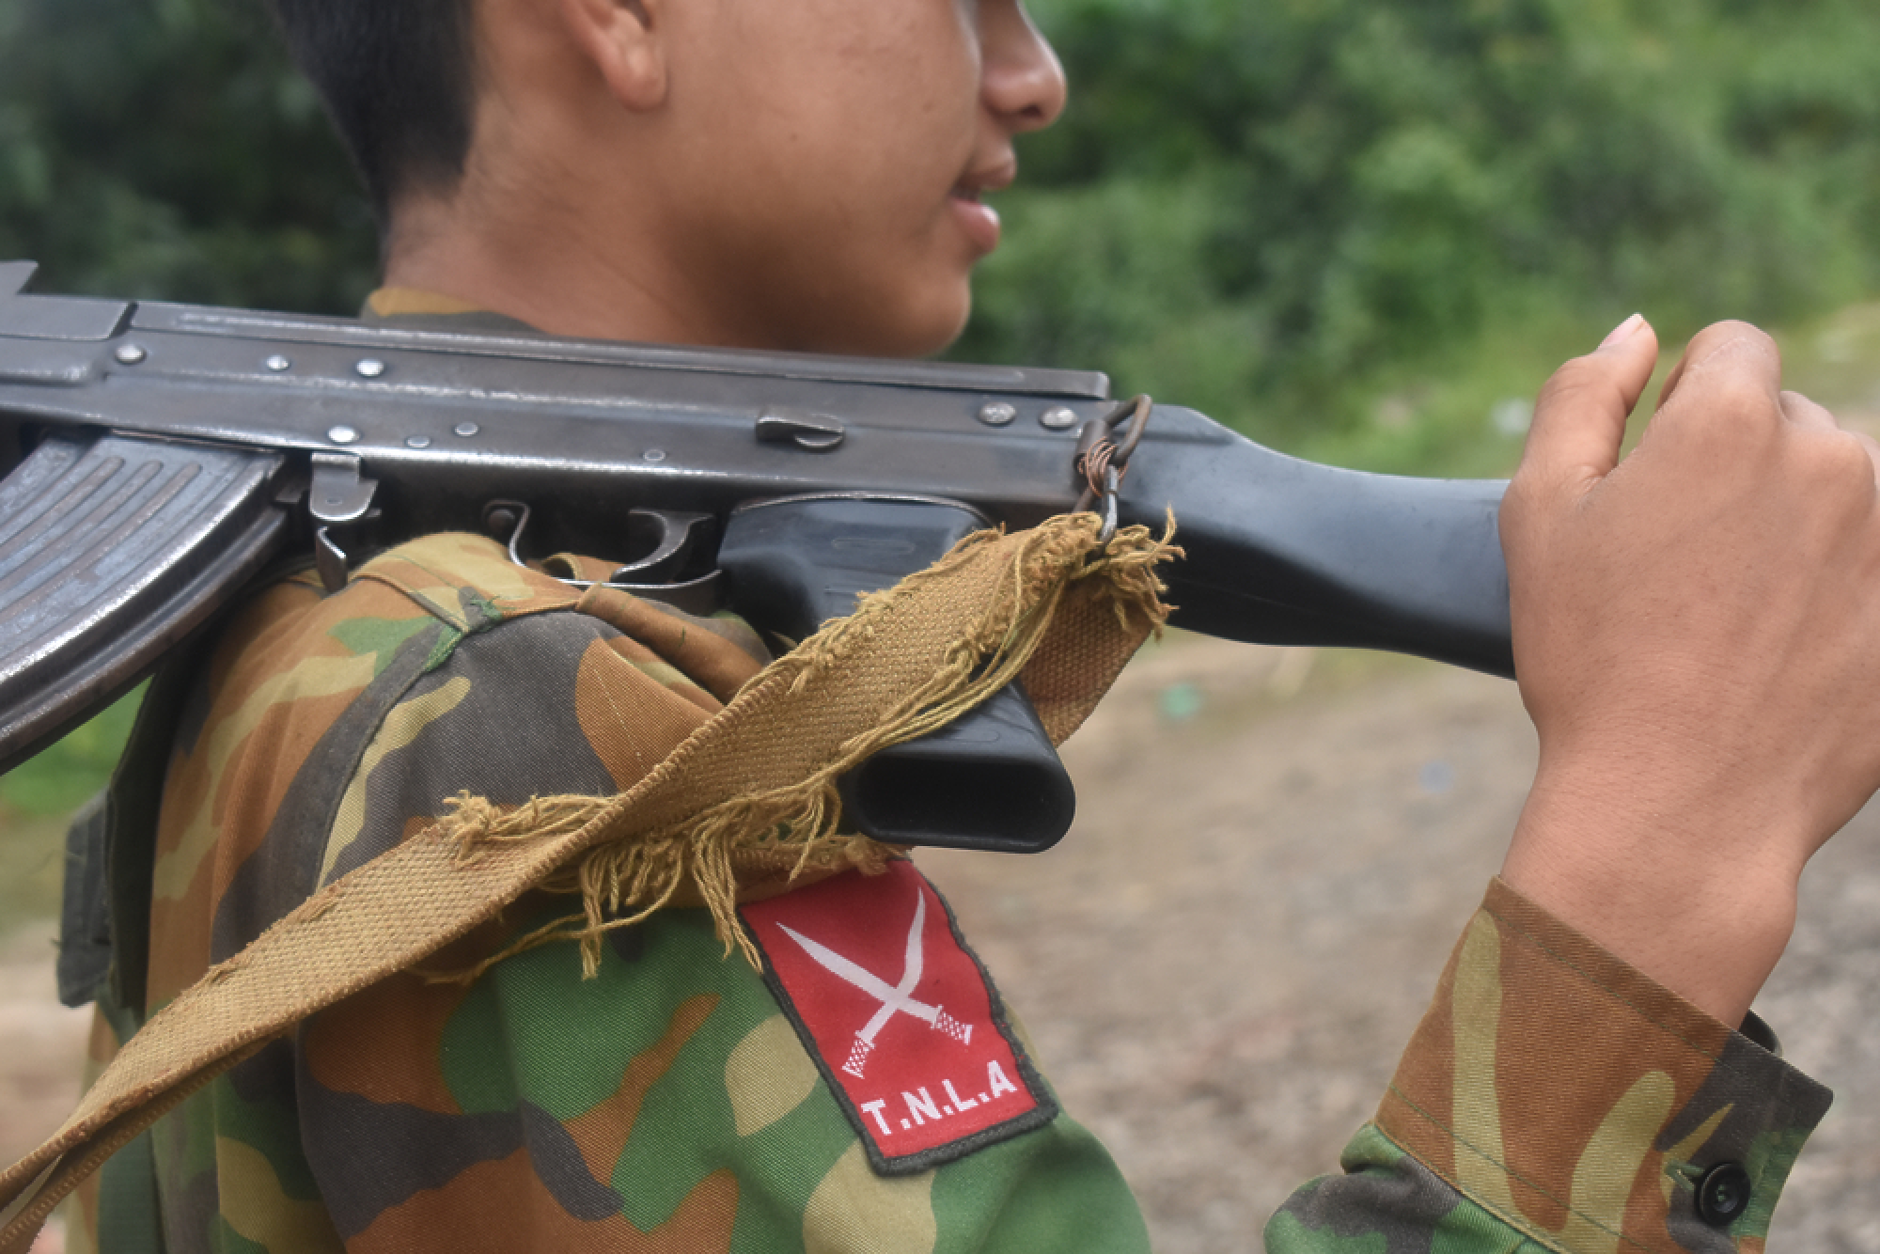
{"type": "Point", "coordinates": [158, 457]}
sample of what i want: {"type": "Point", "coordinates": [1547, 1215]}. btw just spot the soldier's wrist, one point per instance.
{"type": "Point", "coordinates": [1701, 908]}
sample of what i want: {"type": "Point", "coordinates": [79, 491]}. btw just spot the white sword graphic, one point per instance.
{"type": "Point", "coordinates": [893, 998]}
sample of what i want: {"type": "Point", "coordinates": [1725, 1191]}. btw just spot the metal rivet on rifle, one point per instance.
{"type": "Point", "coordinates": [277, 363]}
{"type": "Point", "coordinates": [369, 368]}
{"type": "Point", "coordinates": [130, 354]}
{"type": "Point", "coordinates": [654, 454]}
{"type": "Point", "coordinates": [417, 441]}
{"type": "Point", "coordinates": [466, 429]}
{"type": "Point", "coordinates": [342, 435]}
{"type": "Point", "coordinates": [1059, 417]}
{"type": "Point", "coordinates": [997, 413]}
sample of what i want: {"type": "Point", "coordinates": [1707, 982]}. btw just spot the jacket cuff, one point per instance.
{"type": "Point", "coordinates": [1590, 1107]}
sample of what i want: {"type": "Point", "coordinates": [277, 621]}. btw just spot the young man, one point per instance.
{"type": "Point", "coordinates": [1692, 633]}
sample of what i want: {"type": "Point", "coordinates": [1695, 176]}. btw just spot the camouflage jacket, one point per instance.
{"type": "Point", "coordinates": [866, 1091]}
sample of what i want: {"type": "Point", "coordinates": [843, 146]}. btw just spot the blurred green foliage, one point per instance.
{"type": "Point", "coordinates": [1303, 216]}
{"type": "Point", "coordinates": [61, 778]}
{"type": "Point", "coordinates": [1362, 230]}
{"type": "Point", "coordinates": [1343, 225]}
{"type": "Point", "coordinates": [35, 802]}
{"type": "Point", "coordinates": [166, 149]}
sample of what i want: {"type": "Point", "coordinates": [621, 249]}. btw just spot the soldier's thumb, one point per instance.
{"type": "Point", "coordinates": [1579, 421]}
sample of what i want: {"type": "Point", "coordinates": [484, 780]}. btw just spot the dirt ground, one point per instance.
{"type": "Point", "coordinates": [1274, 852]}
{"type": "Point", "coordinates": [1222, 961]}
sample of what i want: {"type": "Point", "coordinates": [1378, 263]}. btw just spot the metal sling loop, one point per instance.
{"type": "Point", "coordinates": [1103, 459]}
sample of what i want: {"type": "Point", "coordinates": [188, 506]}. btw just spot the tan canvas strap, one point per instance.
{"type": "Point", "coordinates": [746, 794]}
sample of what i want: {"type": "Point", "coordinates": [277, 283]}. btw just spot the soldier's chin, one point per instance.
{"type": "Point", "coordinates": [940, 326]}
{"type": "Point", "coordinates": [914, 329]}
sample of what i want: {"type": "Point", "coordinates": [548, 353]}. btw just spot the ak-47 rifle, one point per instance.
{"type": "Point", "coordinates": [159, 456]}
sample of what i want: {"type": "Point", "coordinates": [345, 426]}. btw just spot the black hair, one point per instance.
{"type": "Point", "coordinates": [397, 78]}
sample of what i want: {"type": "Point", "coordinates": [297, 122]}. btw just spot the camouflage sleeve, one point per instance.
{"type": "Point", "coordinates": [1553, 1098]}
{"type": "Point", "coordinates": [670, 1102]}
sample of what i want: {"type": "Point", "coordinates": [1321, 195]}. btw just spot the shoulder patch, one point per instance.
{"type": "Point", "coordinates": [900, 1017]}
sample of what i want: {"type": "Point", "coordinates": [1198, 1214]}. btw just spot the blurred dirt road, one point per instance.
{"type": "Point", "coordinates": [1219, 965]}
{"type": "Point", "coordinates": [1222, 961]}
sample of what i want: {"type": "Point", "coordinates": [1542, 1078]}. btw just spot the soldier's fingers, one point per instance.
{"type": "Point", "coordinates": [1805, 413]}
{"type": "Point", "coordinates": [1873, 451]}
{"type": "Point", "coordinates": [1725, 344]}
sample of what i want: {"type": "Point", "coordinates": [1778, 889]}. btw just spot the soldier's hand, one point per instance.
{"type": "Point", "coordinates": [1697, 638]}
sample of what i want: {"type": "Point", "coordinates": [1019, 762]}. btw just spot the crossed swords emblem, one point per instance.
{"type": "Point", "coordinates": [894, 998]}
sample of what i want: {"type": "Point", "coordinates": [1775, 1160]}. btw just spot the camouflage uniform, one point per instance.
{"type": "Point", "coordinates": [680, 1100]}
{"type": "Point", "coordinates": [1555, 1098]}
{"type": "Point", "coordinates": [669, 1101]}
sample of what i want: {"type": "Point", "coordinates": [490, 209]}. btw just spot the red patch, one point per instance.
{"type": "Point", "coordinates": [899, 1016]}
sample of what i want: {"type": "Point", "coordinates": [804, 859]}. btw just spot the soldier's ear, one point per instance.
{"type": "Point", "coordinates": [625, 41]}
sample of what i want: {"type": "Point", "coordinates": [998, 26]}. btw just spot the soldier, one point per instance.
{"type": "Point", "coordinates": [1690, 631]}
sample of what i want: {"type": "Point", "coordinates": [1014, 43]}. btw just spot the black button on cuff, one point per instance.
{"type": "Point", "coordinates": [1723, 1194]}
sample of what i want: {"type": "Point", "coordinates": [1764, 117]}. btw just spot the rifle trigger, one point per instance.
{"type": "Point", "coordinates": [674, 536]}
{"type": "Point", "coordinates": [816, 433]}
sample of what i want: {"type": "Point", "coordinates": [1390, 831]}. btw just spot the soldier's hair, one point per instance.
{"type": "Point", "coordinates": [398, 79]}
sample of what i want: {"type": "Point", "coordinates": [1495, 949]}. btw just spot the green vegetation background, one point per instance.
{"type": "Point", "coordinates": [1360, 230]}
